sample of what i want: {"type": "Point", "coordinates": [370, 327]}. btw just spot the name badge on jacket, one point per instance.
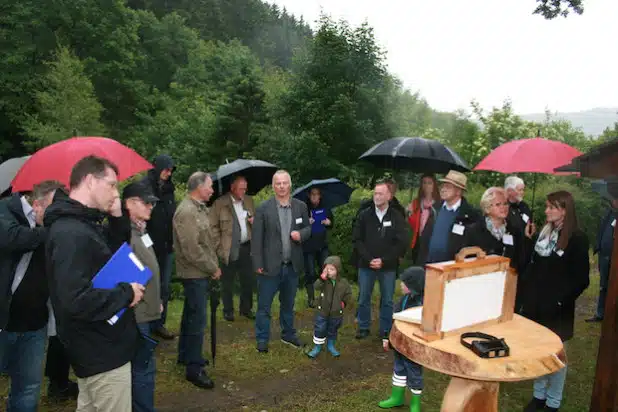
{"type": "Point", "coordinates": [146, 240]}
{"type": "Point", "coordinates": [299, 220]}
{"type": "Point", "coordinates": [387, 223]}
{"type": "Point", "coordinates": [507, 239]}
{"type": "Point", "coordinates": [458, 229]}
{"type": "Point", "coordinates": [614, 223]}
{"type": "Point", "coordinates": [560, 252]}
{"type": "Point", "coordinates": [525, 218]}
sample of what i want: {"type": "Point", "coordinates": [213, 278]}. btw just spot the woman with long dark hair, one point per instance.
{"type": "Point", "coordinates": [558, 273]}
{"type": "Point", "coordinates": [423, 211]}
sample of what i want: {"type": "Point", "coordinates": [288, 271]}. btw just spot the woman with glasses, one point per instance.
{"type": "Point", "coordinates": [494, 234]}
{"type": "Point", "coordinates": [558, 273]}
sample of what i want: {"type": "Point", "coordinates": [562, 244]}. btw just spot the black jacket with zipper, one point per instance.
{"type": "Point", "coordinates": [77, 248]}
{"type": "Point", "coordinates": [16, 238]}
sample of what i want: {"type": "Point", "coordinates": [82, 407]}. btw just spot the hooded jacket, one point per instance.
{"type": "Point", "coordinates": [159, 226]}
{"type": "Point", "coordinates": [76, 249]}
{"type": "Point", "coordinates": [334, 295]}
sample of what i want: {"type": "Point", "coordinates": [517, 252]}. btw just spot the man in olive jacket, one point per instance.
{"type": "Point", "coordinates": [232, 219]}
{"type": "Point", "coordinates": [281, 225]}
{"type": "Point", "coordinates": [196, 263]}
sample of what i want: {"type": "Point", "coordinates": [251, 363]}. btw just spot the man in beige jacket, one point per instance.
{"type": "Point", "coordinates": [232, 218]}
{"type": "Point", "coordinates": [196, 264]}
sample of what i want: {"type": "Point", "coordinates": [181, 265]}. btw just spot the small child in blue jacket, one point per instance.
{"type": "Point", "coordinates": [406, 372]}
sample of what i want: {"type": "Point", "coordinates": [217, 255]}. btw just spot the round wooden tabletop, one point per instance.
{"type": "Point", "coordinates": [534, 351]}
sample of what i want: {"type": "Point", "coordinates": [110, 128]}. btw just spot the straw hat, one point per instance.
{"type": "Point", "coordinates": [455, 178]}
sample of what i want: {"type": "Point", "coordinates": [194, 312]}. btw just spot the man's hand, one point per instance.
{"type": "Point", "coordinates": [161, 308]}
{"type": "Point", "coordinates": [295, 235]}
{"type": "Point", "coordinates": [326, 222]}
{"type": "Point", "coordinates": [138, 293]}
{"type": "Point", "coordinates": [250, 220]}
{"type": "Point", "coordinates": [311, 220]}
{"type": "Point", "coordinates": [376, 264]}
{"type": "Point", "coordinates": [217, 274]}
{"type": "Point", "coordinates": [530, 230]}
{"type": "Point", "coordinates": [116, 209]}
{"type": "Point", "coordinates": [385, 345]}
{"type": "Point", "coordinates": [260, 271]}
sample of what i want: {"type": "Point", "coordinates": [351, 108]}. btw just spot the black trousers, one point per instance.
{"type": "Point", "coordinates": [241, 268]}
{"type": "Point", "coordinates": [57, 365]}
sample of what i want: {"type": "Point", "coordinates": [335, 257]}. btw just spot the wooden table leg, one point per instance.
{"type": "Point", "coordinates": [464, 395]}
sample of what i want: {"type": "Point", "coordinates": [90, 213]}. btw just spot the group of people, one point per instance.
{"type": "Point", "coordinates": [54, 240]}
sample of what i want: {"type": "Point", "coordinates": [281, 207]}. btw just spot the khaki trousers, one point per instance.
{"type": "Point", "coordinates": [106, 392]}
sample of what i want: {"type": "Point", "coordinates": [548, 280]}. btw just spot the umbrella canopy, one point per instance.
{"type": "Point", "coordinates": [537, 155]}
{"type": "Point", "coordinates": [9, 169]}
{"type": "Point", "coordinates": [257, 172]}
{"type": "Point", "coordinates": [334, 192]}
{"type": "Point", "coordinates": [415, 154]}
{"type": "Point", "coordinates": [56, 161]}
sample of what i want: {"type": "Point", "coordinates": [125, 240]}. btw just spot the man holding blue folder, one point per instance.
{"type": "Point", "coordinates": [77, 248]}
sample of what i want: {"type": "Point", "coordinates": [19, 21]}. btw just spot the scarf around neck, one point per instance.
{"type": "Point", "coordinates": [547, 241]}
{"type": "Point", "coordinates": [497, 232]}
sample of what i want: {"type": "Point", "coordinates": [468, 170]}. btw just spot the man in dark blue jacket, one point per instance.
{"type": "Point", "coordinates": [160, 229]}
{"type": "Point", "coordinates": [24, 293]}
{"type": "Point", "coordinates": [604, 247]}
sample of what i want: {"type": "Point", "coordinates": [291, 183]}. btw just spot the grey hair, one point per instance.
{"type": "Point", "coordinates": [282, 172]}
{"type": "Point", "coordinates": [489, 197]}
{"type": "Point", "coordinates": [196, 180]}
{"type": "Point", "coordinates": [512, 182]}
{"type": "Point", "coordinates": [41, 190]}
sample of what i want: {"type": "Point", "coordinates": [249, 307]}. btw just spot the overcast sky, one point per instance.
{"type": "Point", "coordinates": [453, 51]}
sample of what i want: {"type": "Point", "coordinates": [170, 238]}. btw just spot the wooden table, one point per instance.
{"type": "Point", "coordinates": [535, 351]}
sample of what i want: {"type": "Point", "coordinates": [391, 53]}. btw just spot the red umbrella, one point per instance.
{"type": "Point", "coordinates": [537, 155]}
{"type": "Point", "coordinates": [56, 161]}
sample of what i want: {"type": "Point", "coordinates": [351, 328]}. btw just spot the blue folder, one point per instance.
{"type": "Point", "coordinates": [318, 215]}
{"type": "Point", "coordinates": [125, 267]}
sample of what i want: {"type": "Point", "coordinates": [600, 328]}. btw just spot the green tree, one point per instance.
{"type": "Point", "coordinates": [550, 9]}
{"type": "Point", "coordinates": [66, 105]}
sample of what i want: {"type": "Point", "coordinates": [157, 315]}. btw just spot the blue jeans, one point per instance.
{"type": "Point", "coordinates": [366, 281]}
{"type": "Point", "coordinates": [143, 371]}
{"type": "Point", "coordinates": [23, 354]}
{"type": "Point", "coordinates": [550, 388]}
{"type": "Point", "coordinates": [604, 267]}
{"type": "Point", "coordinates": [165, 267]}
{"type": "Point", "coordinates": [325, 328]}
{"type": "Point", "coordinates": [310, 265]}
{"type": "Point", "coordinates": [286, 283]}
{"type": "Point", "coordinates": [407, 373]}
{"type": "Point", "coordinates": [192, 325]}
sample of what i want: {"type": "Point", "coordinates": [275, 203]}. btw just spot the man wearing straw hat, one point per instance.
{"type": "Point", "coordinates": [454, 217]}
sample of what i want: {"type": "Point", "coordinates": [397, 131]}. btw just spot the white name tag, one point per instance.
{"type": "Point", "coordinates": [458, 229]}
{"type": "Point", "coordinates": [525, 217]}
{"type": "Point", "coordinates": [299, 220]}
{"type": "Point", "coordinates": [147, 240]}
{"type": "Point", "coordinates": [559, 252]}
{"type": "Point", "coordinates": [507, 239]}
{"type": "Point", "coordinates": [387, 223]}
{"type": "Point", "coordinates": [614, 223]}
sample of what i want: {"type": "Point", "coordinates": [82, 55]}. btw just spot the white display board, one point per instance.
{"type": "Point", "coordinates": [472, 300]}
{"type": "Point", "coordinates": [412, 315]}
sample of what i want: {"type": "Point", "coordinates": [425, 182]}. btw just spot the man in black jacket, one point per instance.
{"type": "Point", "coordinates": [380, 237]}
{"type": "Point", "coordinates": [160, 229]}
{"type": "Point", "coordinates": [519, 211]}
{"type": "Point", "coordinates": [24, 293]}
{"type": "Point", "coordinates": [454, 217]}
{"type": "Point", "coordinates": [604, 248]}
{"type": "Point", "coordinates": [77, 248]}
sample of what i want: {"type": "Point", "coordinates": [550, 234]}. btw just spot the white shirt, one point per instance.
{"type": "Point", "coordinates": [241, 215]}
{"type": "Point", "coordinates": [22, 266]}
{"type": "Point", "coordinates": [381, 213]}
{"type": "Point", "coordinates": [454, 207]}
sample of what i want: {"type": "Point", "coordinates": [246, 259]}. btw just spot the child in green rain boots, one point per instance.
{"type": "Point", "coordinates": [406, 372]}
{"type": "Point", "coordinates": [334, 294]}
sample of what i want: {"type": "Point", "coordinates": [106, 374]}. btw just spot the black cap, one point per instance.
{"type": "Point", "coordinates": [141, 190]}
{"type": "Point", "coordinates": [414, 279]}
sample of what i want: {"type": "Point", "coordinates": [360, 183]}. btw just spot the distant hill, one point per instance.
{"type": "Point", "coordinates": [592, 121]}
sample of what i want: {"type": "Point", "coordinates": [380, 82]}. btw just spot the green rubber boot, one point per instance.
{"type": "Point", "coordinates": [415, 403]}
{"type": "Point", "coordinates": [398, 396]}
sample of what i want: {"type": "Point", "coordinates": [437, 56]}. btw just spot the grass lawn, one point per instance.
{"type": "Point", "coordinates": [286, 380]}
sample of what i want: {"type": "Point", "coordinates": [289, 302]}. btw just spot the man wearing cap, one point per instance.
{"type": "Point", "coordinates": [454, 217]}
{"type": "Point", "coordinates": [137, 203]}
{"type": "Point", "coordinates": [160, 229]}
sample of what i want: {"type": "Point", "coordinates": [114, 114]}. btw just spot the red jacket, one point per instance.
{"type": "Point", "coordinates": [414, 220]}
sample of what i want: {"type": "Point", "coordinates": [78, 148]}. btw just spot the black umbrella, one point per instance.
{"type": "Point", "coordinates": [415, 154]}
{"type": "Point", "coordinates": [334, 192]}
{"type": "Point", "coordinates": [257, 172]}
{"type": "Point", "coordinates": [9, 169]}
{"type": "Point", "coordinates": [214, 296]}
